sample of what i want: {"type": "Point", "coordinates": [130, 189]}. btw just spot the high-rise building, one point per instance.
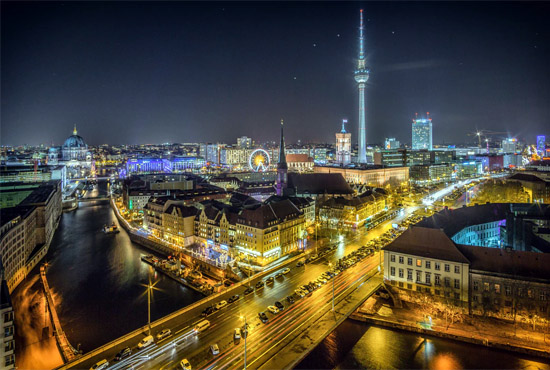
{"type": "Point", "coordinates": [282, 167]}
{"type": "Point", "coordinates": [541, 144]}
{"type": "Point", "coordinates": [422, 132]}
{"type": "Point", "coordinates": [343, 145]}
{"type": "Point", "coordinates": [391, 143]}
{"type": "Point", "coordinates": [509, 145]}
{"type": "Point", "coordinates": [244, 142]}
{"type": "Point", "coordinates": [362, 76]}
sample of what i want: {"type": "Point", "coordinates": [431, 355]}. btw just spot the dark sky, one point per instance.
{"type": "Point", "coordinates": [139, 72]}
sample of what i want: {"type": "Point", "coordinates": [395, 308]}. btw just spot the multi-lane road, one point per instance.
{"type": "Point", "coordinates": [263, 339]}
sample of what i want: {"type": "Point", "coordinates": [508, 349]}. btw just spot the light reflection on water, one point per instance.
{"type": "Point", "coordinates": [355, 345]}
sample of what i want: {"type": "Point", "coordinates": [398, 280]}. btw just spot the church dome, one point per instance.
{"type": "Point", "coordinates": [74, 141]}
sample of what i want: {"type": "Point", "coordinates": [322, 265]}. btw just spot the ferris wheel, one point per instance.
{"type": "Point", "coordinates": [259, 160]}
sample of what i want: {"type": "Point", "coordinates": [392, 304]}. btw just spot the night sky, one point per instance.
{"type": "Point", "coordinates": [130, 73]}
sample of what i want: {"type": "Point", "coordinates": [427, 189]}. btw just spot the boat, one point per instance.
{"type": "Point", "coordinates": [113, 229]}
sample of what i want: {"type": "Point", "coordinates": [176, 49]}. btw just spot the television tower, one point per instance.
{"type": "Point", "coordinates": [361, 76]}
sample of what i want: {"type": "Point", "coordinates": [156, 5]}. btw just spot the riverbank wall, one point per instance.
{"type": "Point", "coordinates": [473, 339]}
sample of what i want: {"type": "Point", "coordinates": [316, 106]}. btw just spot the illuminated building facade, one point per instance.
{"type": "Point", "coordinates": [509, 145]}
{"type": "Point", "coordinates": [541, 145]}
{"type": "Point", "coordinates": [391, 143]}
{"type": "Point", "coordinates": [74, 148]}
{"type": "Point", "coordinates": [375, 176]}
{"type": "Point", "coordinates": [361, 77]}
{"type": "Point", "coordinates": [343, 145]}
{"type": "Point", "coordinates": [422, 133]}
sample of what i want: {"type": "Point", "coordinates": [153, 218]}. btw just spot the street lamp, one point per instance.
{"type": "Point", "coordinates": [149, 288]}
{"type": "Point", "coordinates": [330, 265]}
{"type": "Point", "coordinates": [245, 334]}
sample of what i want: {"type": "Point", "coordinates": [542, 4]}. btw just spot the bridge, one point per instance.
{"type": "Point", "coordinates": [92, 199]}
{"type": "Point", "coordinates": [282, 342]}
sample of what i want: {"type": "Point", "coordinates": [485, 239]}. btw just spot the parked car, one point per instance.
{"type": "Point", "coordinates": [146, 342]}
{"type": "Point", "coordinates": [273, 309]}
{"type": "Point", "coordinates": [233, 298]}
{"type": "Point", "coordinates": [279, 305]}
{"type": "Point", "coordinates": [103, 364]}
{"type": "Point", "coordinates": [237, 333]}
{"type": "Point", "coordinates": [221, 305]}
{"type": "Point", "coordinates": [214, 349]}
{"type": "Point", "coordinates": [286, 270]}
{"type": "Point", "coordinates": [263, 317]}
{"type": "Point", "coordinates": [278, 275]}
{"type": "Point", "coordinates": [207, 311]}
{"type": "Point", "coordinates": [123, 354]}
{"type": "Point", "coordinates": [270, 280]}
{"type": "Point", "coordinates": [300, 264]}
{"type": "Point", "coordinates": [290, 299]}
{"type": "Point", "coordinates": [248, 290]}
{"type": "Point", "coordinates": [299, 292]}
{"type": "Point", "coordinates": [260, 284]}
{"type": "Point", "coordinates": [164, 334]}
{"type": "Point", "coordinates": [185, 365]}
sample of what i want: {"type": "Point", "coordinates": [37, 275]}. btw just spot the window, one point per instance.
{"type": "Point", "coordinates": [476, 286]}
{"type": "Point", "coordinates": [419, 288]}
{"type": "Point", "coordinates": [437, 266]}
{"type": "Point", "coordinates": [437, 292]}
{"type": "Point", "coordinates": [392, 271]}
{"type": "Point", "coordinates": [447, 282]}
{"type": "Point", "coordinates": [401, 284]}
{"type": "Point", "coordinates": [8, 331]}
{"type": "Point", "coordinates": [497, 288]}
{"type": "Point", "coordinates": [409, 286]}
{"type": "Point", "coordinates": [508, 290]}
{"type": "Point", "coordinates": [542, 296]}
{"type": "Point", "coordinates": [437, 280]}
{"type": "Point", "coordinates": [486, 287]}
{"type": "Point", "coordinates": [419, 263]}
{"type": "Point", "coordinates": [392, 258]}
{"type": "Point", "coordinates": [418, 276]}
{"type": "Point", "coordinates": [409, 261]}
{"type": "Point", "coordinates": [457, 295]}
{"type": "Point", "coordinates": [8, 316]}
{"type": "Point", "coordinates": [401, 259]}
{"type": "Point", "coordinates": [542, 309]}
{"type": "Point", "coordinates": [409, 275]}
{"type": "Point", "coordinates": [457, 284]}
{"type": "Point", "coordinates": [530, 293]}
{"type": "Point", "coordinates": [9, 360]}
{"type": "Point", "coordinates": [457, 269]}
{"type": "Point", "coordinates": [428, 264]}
{"type": "Point", "coordinates": [447, 267]}
{"type": "Point", "coordinates": [475, 298]}
{"type": "Point", "coordinates": [428, 278]}
{"type": "Point", "coordinates": [401, 273]}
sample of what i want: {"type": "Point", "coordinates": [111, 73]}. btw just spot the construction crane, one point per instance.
{"type": "Point", "coordinates": [485, 134]}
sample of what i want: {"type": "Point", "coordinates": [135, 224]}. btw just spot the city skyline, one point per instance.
{"type": "Point", "coordinates": [151, 66]}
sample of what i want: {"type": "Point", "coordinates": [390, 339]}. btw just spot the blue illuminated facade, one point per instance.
{"type": "Point", "coordinates": [422, 133]}
{"type": "Point", "coordinates": [162, 165]}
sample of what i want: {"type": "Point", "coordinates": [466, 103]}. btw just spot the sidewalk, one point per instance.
{"type": "Point", "coordinates": [488, 331]}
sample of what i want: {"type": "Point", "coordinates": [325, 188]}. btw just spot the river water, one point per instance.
{"type": "Point", "coordinates": [98, 285]}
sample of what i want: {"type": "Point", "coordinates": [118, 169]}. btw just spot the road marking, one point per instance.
{"type": "Point", "coordinates": [179, 331]}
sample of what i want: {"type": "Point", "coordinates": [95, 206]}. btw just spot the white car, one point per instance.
{"type": "Point", "coordinates": [237, 333]}
{"type": "Point", "coordinates": [146, 342]}
{"type": "Point", "coordinates": [221, 305]}
{"type": "Point", "coordinates": [214, 349]}
{"type": "Point", "coordinates": [164, 334]}
{"type": "Point", "coordinates": [273, 309]}
{"type": "Point", "coordinates": [286, 270]}
{"type": "Point", "coordinates": [299, 293]}
{"type": "Point", "coordinates": [185, 365]}
{"type": "Point", "coordinates": [103, 364]}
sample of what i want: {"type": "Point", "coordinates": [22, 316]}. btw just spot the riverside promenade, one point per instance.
{"type": "Point", "coordinates": [67, 351]}
{"type": "Point", "coordinates": [489, 332]}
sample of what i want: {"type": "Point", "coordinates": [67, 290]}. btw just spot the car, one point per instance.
{"type": "Point", "coordinates": [185, 365]}
{"type": "Point", "coordinates": [146, 342]}
{"type": "Point", "coordinates": [279, 306]}
{"type": "Point", "coordinates": [299, 292]}
{"type": "Point", "coordinates": [314, 256]}
{"type": "Point", "coordinates": [237, 333]}
{"type": "Point", "coordinates": [300, 264]}
{"type": "Point", "coordinates": [286, 270]}
{"type": "Point", "coordinates": [290, 299]}
{"type": "Point", "coordinates": [233, 298]}
{"type": "Point", "coordinates": [207, 311]}
{"type": "Point", "coordinates": [278, 275]}
{"type": "Point", "coordinates": [221, 305]}
{"type": "Point", "coordinates": [164, 334]}
{"type": "Point", "coordinates": [260, 284]}
{"type": "Point", "coordinates": [214, 349]}
{"type": "Point", "coordinates": [270, 280]}
{"type": "Point", "coordinates": [103, 364]}
{"type": "Point", "coordinates": [263, 317]}
{"type": "Point", "coordinates": [123, 354]}
{"type": "Point", "coordinates": [273, 309]}
{"type": "Point", "coordinates": [248, 290]}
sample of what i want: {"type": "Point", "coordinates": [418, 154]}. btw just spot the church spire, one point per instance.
{"type": "Point", "coordinates": [282, 167]}
{"type": "Point", "coordinates": [282, 154]}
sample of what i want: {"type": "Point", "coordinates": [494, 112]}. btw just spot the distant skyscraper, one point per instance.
{"type": "Point", "coordinates": [509, 145]}
{"type": "Point", "coordinates": [361, 76]}
{"type": "Point", "coordinates": [391, 143]}
{"type": "Point", "coordinates": [244, 142]}
{"type": "Point", "coordinates": [422, 132]}
{"type": "Point", "coordinates": [282, 167]}
{"type": "Point", "coordinates": [541, 144]}
{"type": "Point", "coordinates": [343, 145]}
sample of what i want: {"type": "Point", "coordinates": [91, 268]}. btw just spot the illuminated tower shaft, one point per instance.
{"type": "Point", "coordinates": [361, 76]}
